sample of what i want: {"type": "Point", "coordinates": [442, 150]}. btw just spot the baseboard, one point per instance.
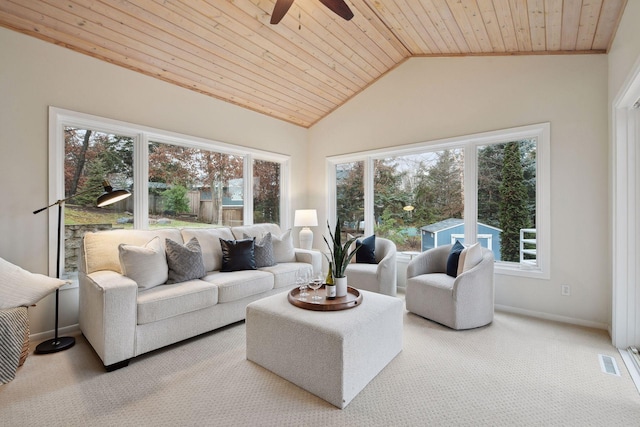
{"type": "Point", "coordinates": [554, 317]}
{"type": "Point", "coordinates": [41, 336]}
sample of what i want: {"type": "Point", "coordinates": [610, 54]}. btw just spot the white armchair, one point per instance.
{"type": "Point", "coordinates": [380, 277]}
{"type": "Point", "coordinates": [462, 302]}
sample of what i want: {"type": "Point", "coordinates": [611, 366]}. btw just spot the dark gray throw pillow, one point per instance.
{"type": "Point", "coordinates": [366, 250]}
{"type": "Point", "coordinates": [263, 251]}
{"type": "Point", "coordinates": [238, 255]}
{"type": "Point", "coordinates": [185, 261]}
{"type": "Point", "coordinates": [454, 258]}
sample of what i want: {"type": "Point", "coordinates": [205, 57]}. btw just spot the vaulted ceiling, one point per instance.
{"type": "Point", "coordinates": [312, 61]}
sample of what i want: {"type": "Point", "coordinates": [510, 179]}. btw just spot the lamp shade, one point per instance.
{"type": "Point", "coordinates": [305, 218]}
{"type": "Point", "coordinates": [110, 195]}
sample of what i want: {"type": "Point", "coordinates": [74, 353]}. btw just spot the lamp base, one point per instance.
{"type": "Point", "coordinates": [306, 238]}
{"type": "Point", "coordinates": [53, 345]}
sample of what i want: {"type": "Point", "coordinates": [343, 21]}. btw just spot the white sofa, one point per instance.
{"type": "Point", "coordinates": [122, 321]}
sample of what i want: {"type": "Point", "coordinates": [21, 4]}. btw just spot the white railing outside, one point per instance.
{"type": "Point", "coordinates": [528, 254]}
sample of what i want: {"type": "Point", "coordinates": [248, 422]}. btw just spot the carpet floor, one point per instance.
{"type": "Point", "coordinates": [518, 371]}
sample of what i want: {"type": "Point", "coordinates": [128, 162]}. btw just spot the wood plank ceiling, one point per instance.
{"type": "Point", "coordinates": [312, 61]}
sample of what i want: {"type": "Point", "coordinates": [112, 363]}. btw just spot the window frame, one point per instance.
{"type": "Point", "coordinates": [469, 144]}
{"type": "Point", "coordinates": [60, 118]}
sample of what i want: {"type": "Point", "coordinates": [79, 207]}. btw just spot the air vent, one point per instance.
{"type": "Point", "coordinates": [608, 365]}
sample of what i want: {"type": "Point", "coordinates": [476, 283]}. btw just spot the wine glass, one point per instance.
{"type": "Point", "coordinates": [302, 279]}
{"type": "Point", "coordinates": [315, 285]}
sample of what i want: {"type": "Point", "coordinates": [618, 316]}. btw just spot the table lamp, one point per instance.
{"type": "Point", "coordinates": [305, 218]}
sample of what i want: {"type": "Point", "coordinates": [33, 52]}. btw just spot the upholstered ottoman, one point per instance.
{"type": "Point", "coordinates": [332, 354]}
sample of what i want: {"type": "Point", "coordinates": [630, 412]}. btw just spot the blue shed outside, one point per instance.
{"type": "Point", "coordinates": [449, 230]}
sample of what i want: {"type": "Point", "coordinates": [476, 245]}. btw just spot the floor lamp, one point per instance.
{"type": "Point", "coordinates": [108, 197]}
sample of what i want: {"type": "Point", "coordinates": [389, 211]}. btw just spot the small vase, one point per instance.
{"type": "Point", "coordinates": [341, 286]}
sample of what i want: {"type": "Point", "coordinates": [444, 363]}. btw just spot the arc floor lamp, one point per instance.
{"type": "Point", "coordinates": [108, 197]}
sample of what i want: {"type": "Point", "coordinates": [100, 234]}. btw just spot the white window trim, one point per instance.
{"type": "Point", "coordinates": [60, 118]}
{"type": "Point", "coordinates": [470, 144]}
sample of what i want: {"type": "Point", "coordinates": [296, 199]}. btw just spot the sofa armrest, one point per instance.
{"type": "Point", "coordinates": [108, 314]}
{"type": "Point", "coordinates": [310, 257]}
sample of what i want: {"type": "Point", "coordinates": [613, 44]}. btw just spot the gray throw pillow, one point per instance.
{"type": "Point", "coordinates": [185, 261]}
{"type": "Point", "coordinates": [263, 251]}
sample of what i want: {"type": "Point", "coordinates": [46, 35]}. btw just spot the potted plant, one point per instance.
{"type": "Point", "coordinates": [339, 257]}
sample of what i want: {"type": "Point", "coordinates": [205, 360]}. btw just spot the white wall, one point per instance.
{"type": "Point", "coordinates": [430, 98]}
{"type": "Point", "coordinates": [35, 75]}
{"type": "Point", "coordinates": [625, 50]}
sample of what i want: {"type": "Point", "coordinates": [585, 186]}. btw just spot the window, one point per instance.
{"type": "Point", "coordinates": [507, 200]}
{"type": "Point", "coordinates": [266, 191]}
{"type": "Point", "coordinates": [175, 180]}
{"type": "Point", "coordinates": [350, 196]}
{"type": "Point", "coordinates": [194, 187]}
{"type": "Point", "coordinates": [414, 190]}
{"type": "Point", "coordinates": [89, 158]}
{"type": "Point", "coordinates": [491, 188]}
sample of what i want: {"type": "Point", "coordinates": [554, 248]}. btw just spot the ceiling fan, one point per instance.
{"type": "Point", "coordinates": [339, 7]}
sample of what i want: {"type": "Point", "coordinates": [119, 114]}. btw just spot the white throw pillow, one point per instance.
{"type": "Point", "coordinates": [472, 257]}
{"type": "Point", "coordinates": [146, 265]}
{"type": "Point", "coordinates": [283, 250]}
{"type": "Point", "coordinates": [19, 287]}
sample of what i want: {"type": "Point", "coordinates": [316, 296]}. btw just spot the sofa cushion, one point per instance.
{"type": "Point", "coordinates": [146, 265]}
{"type": "Point", "coordinates": [19, 287]}
{"type": "Point", "coordinates": [165, 301]}
{"type": "Point", "coordinates": [209, 239]}
{"type": "Point", "coordinates": [185, 261]}
{"type": "Point", "coordinates": [238, 255]}
{"type": "Point", "coordinates": [263, 251]}
{"type": "Point", "coordinates": [284, 273]}
{"type": "Point", "coordinates": [240, 284]}
{"type": "Point", "coordinates": [100, 248]}
{"type": "Point", "coordinates": [366, 250]}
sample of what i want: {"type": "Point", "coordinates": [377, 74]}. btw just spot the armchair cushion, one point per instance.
{"type": "Point", "coordinates": [366, 250]}
{"type": "Point", "coordinates": [472, 257]}
{"type": "Point", "coordinates": [454, 258]}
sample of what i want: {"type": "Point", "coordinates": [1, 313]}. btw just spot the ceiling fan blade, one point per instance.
{"type": "Point", "coordinates": [280, 9]}
{"type": "Point", "coordinates": [339, 7]}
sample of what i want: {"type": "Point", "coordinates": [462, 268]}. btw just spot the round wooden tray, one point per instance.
{"type": "Point", "coordinates": [352, 299]}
